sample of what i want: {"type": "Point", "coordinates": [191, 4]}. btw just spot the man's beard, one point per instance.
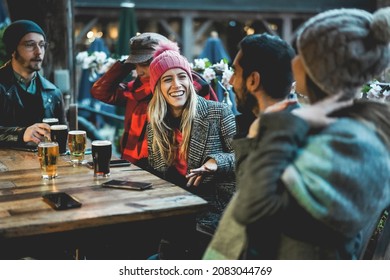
{"type": "Point", "coordinates": [247, 102]}
{"type": "Point", "coordinates": [32, 65]}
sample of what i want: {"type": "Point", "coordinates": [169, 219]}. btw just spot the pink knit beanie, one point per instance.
{"type": "Point", "coordinates": [167, 56]}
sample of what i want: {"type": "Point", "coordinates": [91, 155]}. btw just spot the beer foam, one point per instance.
{"type": "Point", "coordinates": [77, 132]}
{"type": "Point", "coordinates": [101, 143]}
{"type": "Point", "coordinates": [48, 144]}
{"type": "Point", "coordinates": [58, 127]}
{"type": "Point", "coordinates": [50, 120]}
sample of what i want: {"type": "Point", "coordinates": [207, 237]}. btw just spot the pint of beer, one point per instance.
{"type": "Point", "coordinates": [77, 141]}
{"type": "Point", "coordinates": [101, 153]}
{"type": "Point", "coordinates": [50, 121]}
{"type": "Point", "coordinates": [59, 134]}
{"type": "Point", "coordinates": [48, 154]}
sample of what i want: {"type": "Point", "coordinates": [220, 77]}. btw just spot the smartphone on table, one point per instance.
{"type": "Point", "coordinates": [113, 163]}
{"type": "Point", "coordinates": [61, 200]}
{"type": "Point", "coordinates": [128, 185]}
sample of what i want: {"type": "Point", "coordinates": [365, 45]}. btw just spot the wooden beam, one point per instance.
{"type": "Point", "coordinates": [170, 31]}
{"type": "Point", "coordinates": [205, 26]}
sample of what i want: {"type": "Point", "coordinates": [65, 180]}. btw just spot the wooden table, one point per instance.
{"type": "Point", "coordinates": [24, 213]}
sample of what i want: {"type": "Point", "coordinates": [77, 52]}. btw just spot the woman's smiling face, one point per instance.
{"type": "Point", "coordinates": [174, 87]}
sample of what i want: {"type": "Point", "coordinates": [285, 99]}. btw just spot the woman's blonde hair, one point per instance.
{"type": "Point", "coordinates": [163, 135]}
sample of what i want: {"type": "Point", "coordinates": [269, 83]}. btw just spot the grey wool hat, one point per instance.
{"type": "Point", "coordinates": [343, 49]}
{"type": "Point", "coordinates": [142, 47]}
{"type": "Point", "coordinates": [15, 32]}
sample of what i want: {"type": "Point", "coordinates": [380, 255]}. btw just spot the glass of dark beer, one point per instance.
{"type": "Point", "coordinates": [50, 121]}
{"type": "Point", "coordinates": [101, 154]}
{"type": "Point", "coordinates": [59, 134]}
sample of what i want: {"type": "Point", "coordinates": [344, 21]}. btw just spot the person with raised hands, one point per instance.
{"type": "Point", "coordinates": [136, 94]}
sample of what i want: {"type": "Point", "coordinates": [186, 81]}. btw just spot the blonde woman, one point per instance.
{"type": "Point", "coordinates": [189, 138]}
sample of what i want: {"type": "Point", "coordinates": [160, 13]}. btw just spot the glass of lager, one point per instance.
{"type": "Point", "coordinates": [48, 153]}
{"type": "Point", "coordinates": [101, 154]}
{"type": "Point", "coordinates": [77, 141]}
{"type": "Point", "coordinates": [59, 134]}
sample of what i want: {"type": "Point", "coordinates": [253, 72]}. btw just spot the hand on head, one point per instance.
{"type": "Point", "coordinates": [254, 128]}
{"type": "Point", "coordinates": [277, 107]}
{"type": "Point", "coordinates": [37, 133]}
{"type": "Point", "coordinates": [280, 106]}
{"type": "Point", "coordinates": [317, 114]}
{"type": "Point", "coordinates": [195, 177]}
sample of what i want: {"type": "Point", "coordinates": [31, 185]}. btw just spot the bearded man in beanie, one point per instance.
{"type": "Point", "coordinates": [26, 97]}
{"type": "Point", "coordinates": [317, 176]}
{"type": "Point", "coordinates": [136, 95]}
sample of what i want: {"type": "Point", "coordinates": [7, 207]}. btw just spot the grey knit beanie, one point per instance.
{"type": "Point", "coordinates": [343, 49]}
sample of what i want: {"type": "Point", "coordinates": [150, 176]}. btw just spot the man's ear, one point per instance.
{"type": "Point", "coordinates": [253, 81]}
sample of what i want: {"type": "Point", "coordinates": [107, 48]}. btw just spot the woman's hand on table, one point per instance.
{"type": "Point", "coordinates": [195, 177]}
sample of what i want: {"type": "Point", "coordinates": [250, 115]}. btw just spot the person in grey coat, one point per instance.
{"type": "Point", "coordinates": [189, 138]}
{"type": "Point", "coordinates": [316, 177]}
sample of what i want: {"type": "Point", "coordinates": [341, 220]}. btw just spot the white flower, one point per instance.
{"type": "Point", "coordinates": [81, 56]}
{"type": "Point", "coordinates": [100, 57]}
{"type": "Point", "coordinates": [221, 66]}
{"type": "Point", "coordinates": [376, 91]}
{"type": "Point", "coordinates": [97, 62]}
{"type": "Point", "coordinates": [227, 74]}
{"type": "Point", "coordinates": [199, 64]}
{"type": "Point", "coordinates": [106, 65]}
{"type": "Point", "coordinates": [210, 72]}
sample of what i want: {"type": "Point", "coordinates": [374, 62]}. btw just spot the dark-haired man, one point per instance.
{"type": "Point", "coordinates": [262, 80]}
{"type": "Point", "coordinates": [26, 97]}
{"type": "Point", "coordinates": [262, 76]}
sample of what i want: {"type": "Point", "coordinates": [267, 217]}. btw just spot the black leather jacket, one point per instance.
{"type": "Point", "coordinates": [11, 133]}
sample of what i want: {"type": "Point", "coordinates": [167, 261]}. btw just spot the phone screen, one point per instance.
{"type": "Point", "coordinates": [129, 185]}
{"type": "Point", "coordinates": [119, 162]}
{"type": "Point", "coordinates": [61, 201]}
{"type": "Point", "coordinates": [113, 163]}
